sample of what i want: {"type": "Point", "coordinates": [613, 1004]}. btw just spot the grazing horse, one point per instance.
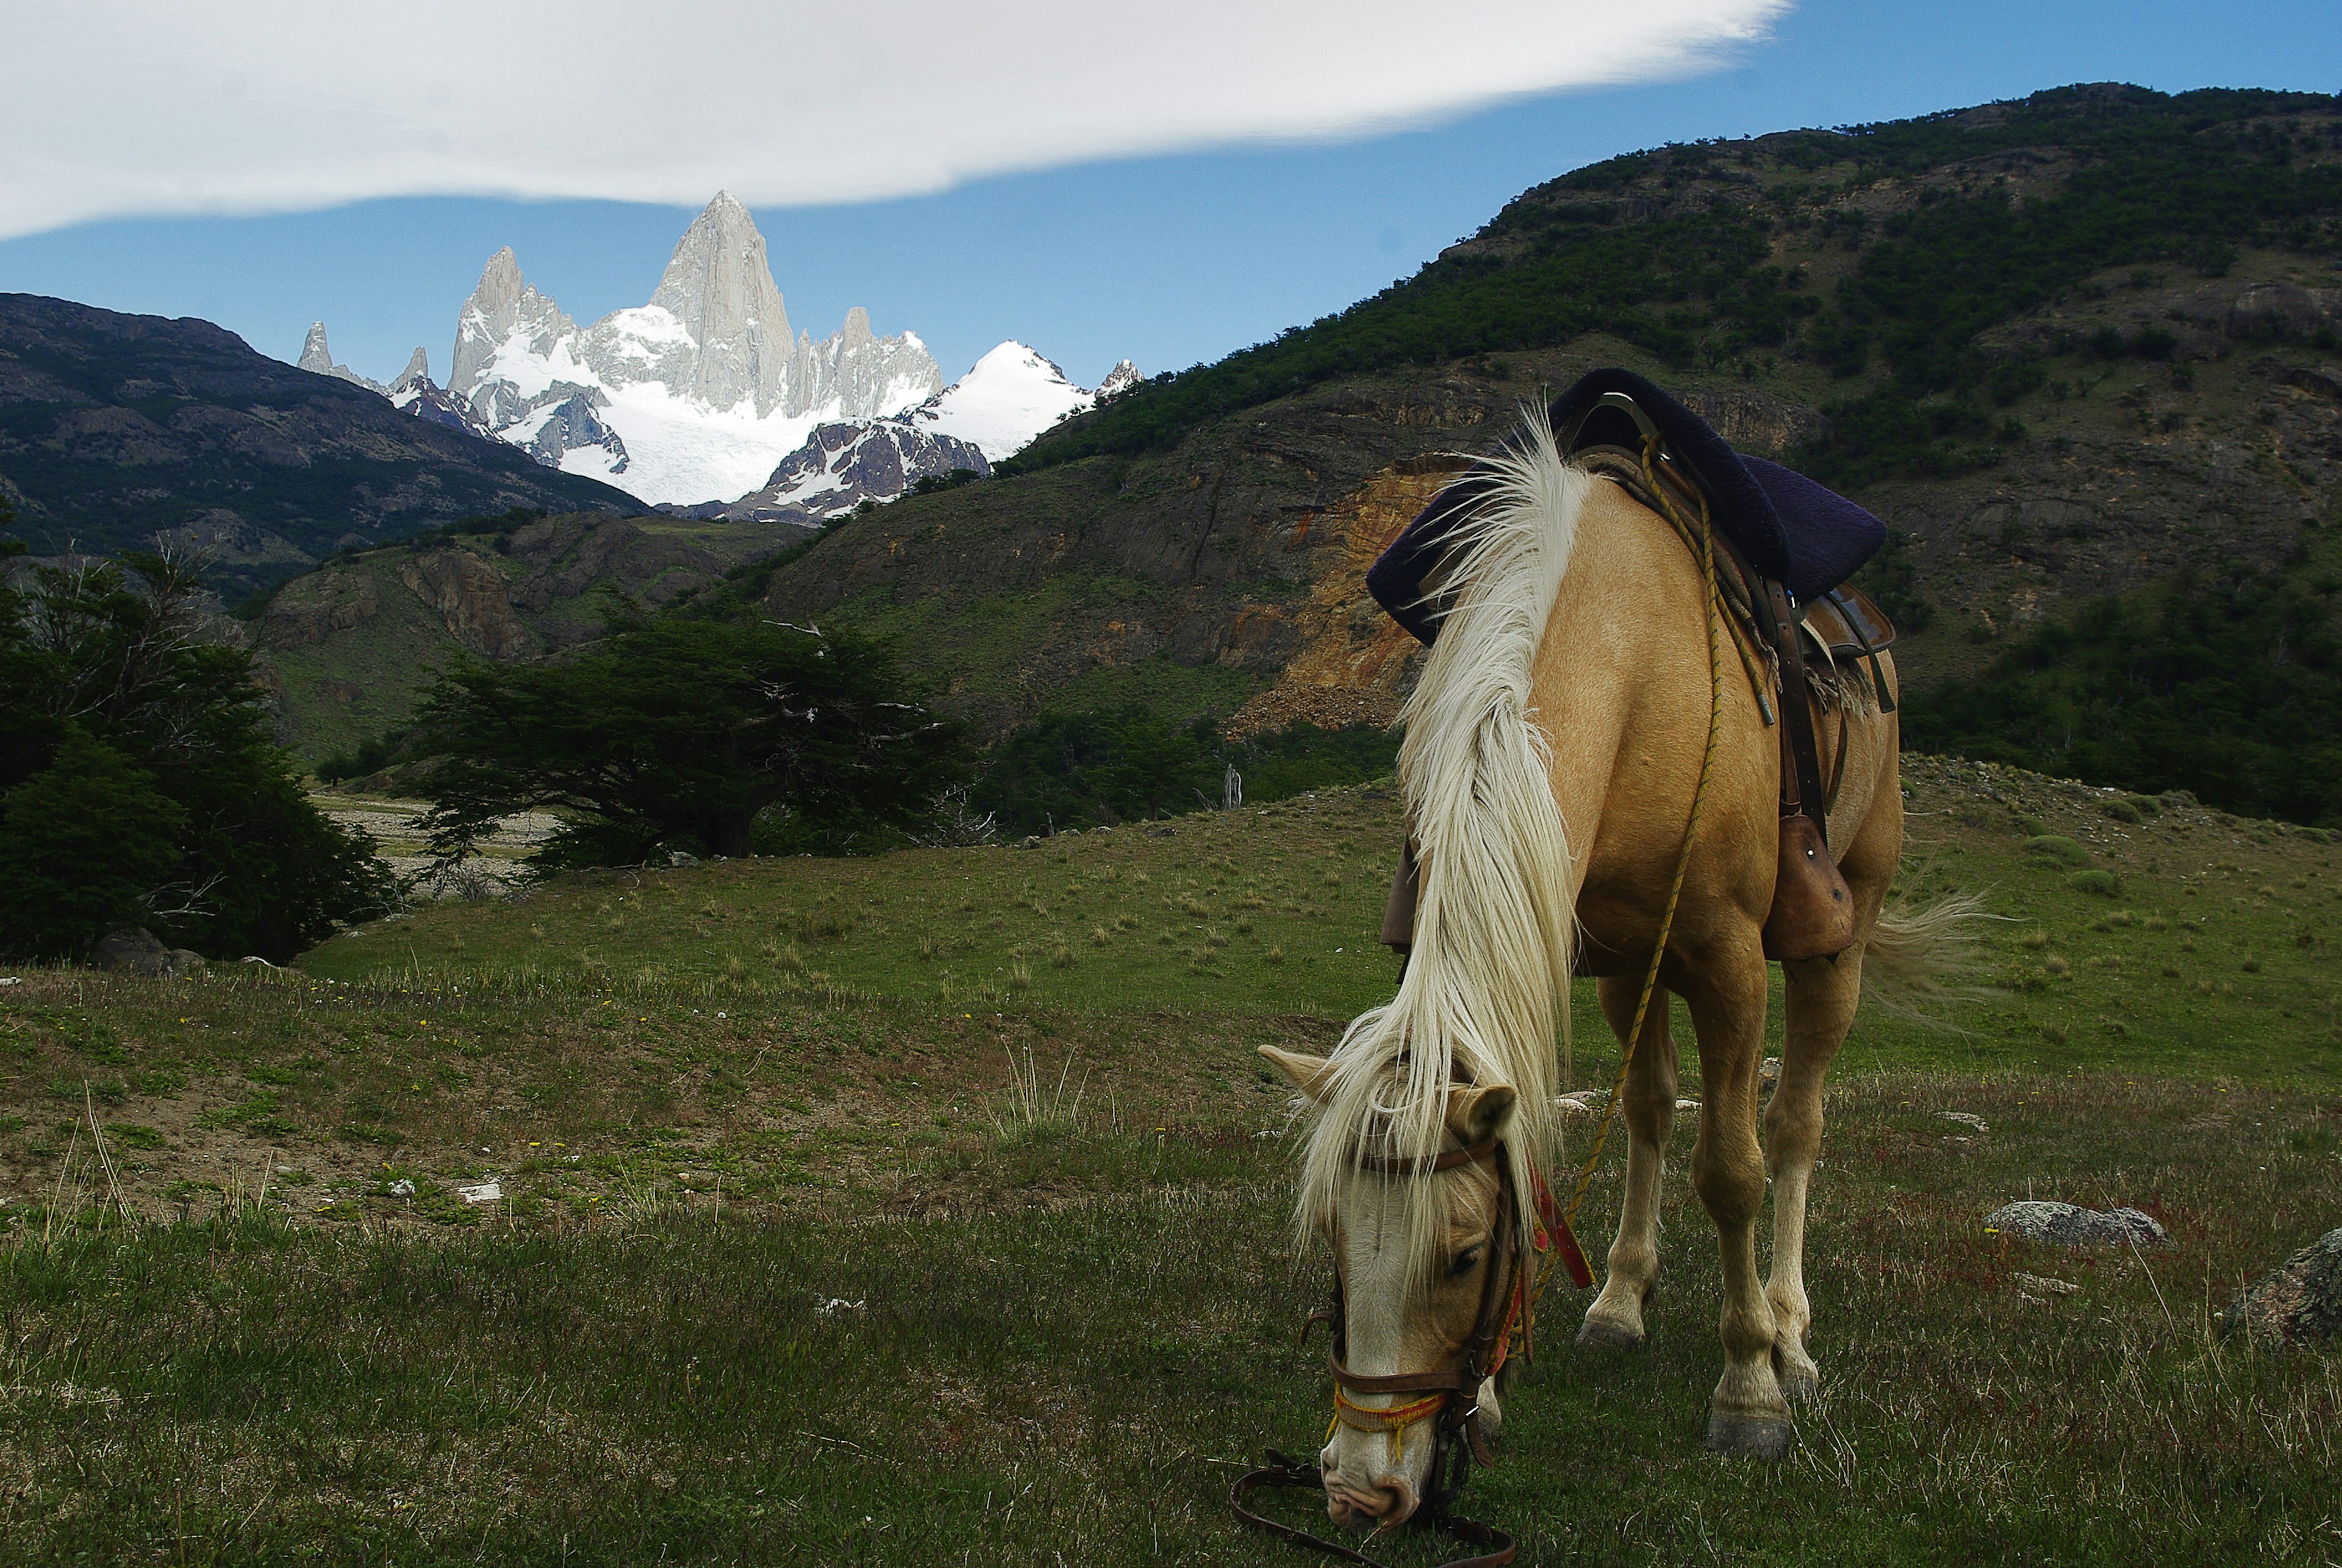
{"type": "Point", "coordinates": [1554, 744]}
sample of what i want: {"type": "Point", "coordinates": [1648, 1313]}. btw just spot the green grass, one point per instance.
{"type": "Point", "coordinates": [1063, 1213]}
{"type": "Point", "coordinates": [1080, 1367]}
{"type": "Point", "coordinates": [2112, 944]}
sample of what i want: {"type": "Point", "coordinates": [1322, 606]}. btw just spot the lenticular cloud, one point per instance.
{"type": "Point", "coordinates": [119, 107]}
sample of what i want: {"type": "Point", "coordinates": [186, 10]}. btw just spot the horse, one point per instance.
{"type": "Point", "coordinates": [1555, 744]}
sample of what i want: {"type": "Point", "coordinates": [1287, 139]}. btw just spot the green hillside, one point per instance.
{"type": "Point", "coordinates": [349, 647]}
{"type": "Point", "coordinates": [2080, 351]}
{"type": "Point", "coordinates": [1701, 256]}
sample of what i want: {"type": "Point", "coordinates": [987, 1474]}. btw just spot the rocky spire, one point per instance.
{"type": "Point", "coordinates": [318, 359]}
{"type": "Point", "coordinates": [502, 307]}
{"type": "Point", "coordinates": [418, 372]}
{"type": "Point", "coordinates": [720, 286]}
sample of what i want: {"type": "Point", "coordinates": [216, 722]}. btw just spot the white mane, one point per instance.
{"type": "Point", "coordinates": [1494, 926]}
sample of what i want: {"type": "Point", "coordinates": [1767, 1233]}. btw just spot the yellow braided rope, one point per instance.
{"type": "Point", "coordinates": [1394, 1419]}
{"type": "Point", "coordinates": [1691, 828]}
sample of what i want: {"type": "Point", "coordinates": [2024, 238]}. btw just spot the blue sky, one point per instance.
{"type": "Point", "coordinates": [1166, 259]}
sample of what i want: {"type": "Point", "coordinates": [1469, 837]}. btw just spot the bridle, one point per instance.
{"type": "Point", "coordinates": [1448, 1397]}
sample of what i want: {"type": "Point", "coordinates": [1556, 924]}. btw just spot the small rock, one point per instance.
{"type": "Point", "coordinates": [2300, 1299]}
{"type": "Point", "coordinates": [402, 1188]}
{"type": "Point", "coordinates": [2071, 1225]}
{"type": "Point", "coordinates": [485, 1192]}
{"type": "Point", "coordinates": [836, 1304]}
{"type": "Point", "coordinates": [1770, 1073]}
{"type": "Point", "coordinates": [1966, 1119]}
{"type": "Point", "coordinates": [2047, 1285]}
{"type": "Point", "coordinates": [1686, 1104]}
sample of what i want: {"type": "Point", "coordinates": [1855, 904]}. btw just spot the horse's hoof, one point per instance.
{"type": "Point", "coordinates": [1750, 1436]}
{"type": "Point", "coordinates": [1799, 1383]}
{"type": "Point", "coordinates": [1609, 1336]}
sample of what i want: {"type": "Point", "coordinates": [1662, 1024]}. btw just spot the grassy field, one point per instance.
{"type": "Point", "coordinates": [837, 1218]}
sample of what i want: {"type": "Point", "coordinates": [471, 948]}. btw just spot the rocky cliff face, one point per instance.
{"type": "Point", "coordinates": [348, 647]}
{"type": "Point", "coordinates": [505, 315]}
{"type": "Point", "coordinates": [468, 591]}
{"type": "Point", "coordinates": [718, 286]}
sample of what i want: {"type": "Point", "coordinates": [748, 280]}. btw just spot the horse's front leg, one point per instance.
{"type": "Point", "coordinates": [1821, 998]}
{"type": "Point", "coordinates": [1726, 994]}
{"type": "Point", "coordinates": [1615, 1318]}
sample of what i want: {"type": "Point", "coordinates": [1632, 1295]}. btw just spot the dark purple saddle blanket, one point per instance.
{"type": "Point", "coordinates": [1786, 527]}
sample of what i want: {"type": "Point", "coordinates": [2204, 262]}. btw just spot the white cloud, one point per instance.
{"type": "Point", "coordinates": [114, 107]}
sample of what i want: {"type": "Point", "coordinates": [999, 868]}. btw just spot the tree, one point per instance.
{"type": "Point", "coordinates": [702, 737]}
{"type": "Point", "coordinates": [83, 842]}
{"type": "Point", "coordinates": [127, 720]}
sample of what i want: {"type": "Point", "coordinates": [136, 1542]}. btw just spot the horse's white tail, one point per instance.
{"type": "Point", "coordinates": [1488, 976]}
{"type": "Point", "coordinates": [1915, 948]}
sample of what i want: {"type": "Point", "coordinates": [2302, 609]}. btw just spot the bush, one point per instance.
{"type": "Point", "coordinates": [689, 735]}
{"type": "Point", "coordinates": [141, 784]}
{"type": "Point", "coordinates": [2099, 883]}
{"type": "Point", "coordinates": [2063, 851]}
{"type": "Point", "coordinates": [83, 842]}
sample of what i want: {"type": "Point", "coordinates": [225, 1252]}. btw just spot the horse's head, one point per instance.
{"type": "Point", "coordinates": [1424, 1246]}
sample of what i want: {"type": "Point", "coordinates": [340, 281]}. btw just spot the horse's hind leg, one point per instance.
{"type": "Point", "coordinates": [1726, 1001]}
{"type": "Point", "coordinates": [1615, 1318]}
{"type": "Point", "coordinates": [1821, 997]}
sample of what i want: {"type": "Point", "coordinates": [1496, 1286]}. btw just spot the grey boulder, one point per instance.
{"type": "Point", "coordinates": [139, 952]}
{"type": "Point", "coordinates": [2299, 1299]}
{"type": "Point", "coordinates": [2071, 1225]}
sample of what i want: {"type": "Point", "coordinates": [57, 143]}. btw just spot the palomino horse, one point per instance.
{"type": "Point", "coordinates": [1553, 746]}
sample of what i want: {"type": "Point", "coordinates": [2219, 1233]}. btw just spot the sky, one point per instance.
{"type": "Point", "coordinates": [1169, 184]}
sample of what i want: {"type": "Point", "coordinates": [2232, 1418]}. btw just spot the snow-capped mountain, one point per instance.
{"type": "Point", "coordinates": [1011, 395]}
{"type": "Point", "coordinates": [842, 465]}
{"type": "Point", "coordinates": [698, 394]}
{"type": "Point", "coordinates": [702, 395]}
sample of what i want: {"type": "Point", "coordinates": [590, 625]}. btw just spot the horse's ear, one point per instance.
{"type": "Point", "coordinates": [1307, 1073]}
{"type": "Point", "coordinates": [1477, 1114]}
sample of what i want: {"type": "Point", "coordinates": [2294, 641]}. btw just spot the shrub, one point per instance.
{"type": "Point", "coordinates": [2063, 851]}
{"type": "Point", "coordinates": [134, 750]}
{"type": "Point", "coordinates": [695, 736]}
{"type": "Point", "coordinates": [2099, 883]}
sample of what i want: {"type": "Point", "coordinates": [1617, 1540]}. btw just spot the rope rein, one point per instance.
{"type": "Point", "coordinates": [1706, 543]}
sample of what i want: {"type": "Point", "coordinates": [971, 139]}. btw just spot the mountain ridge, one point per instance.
{"type": "Point", "coordinates": [117, 430]}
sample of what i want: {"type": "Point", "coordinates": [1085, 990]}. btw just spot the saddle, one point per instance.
{"type": "Point", "coordinates": [1786, 546]}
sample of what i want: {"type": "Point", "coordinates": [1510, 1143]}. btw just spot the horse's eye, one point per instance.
{"type": "Point", "coordinates": [1464, 1262]}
